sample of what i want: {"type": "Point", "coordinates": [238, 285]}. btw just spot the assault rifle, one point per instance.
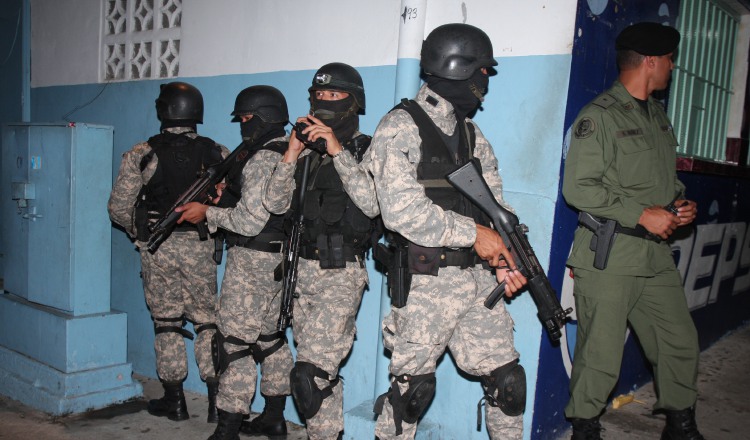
{"type": "Point", "coordinates": [200, 191]}
{"type": "Point", "coordinates": [469, 181]}
{"type": "Point", "coordinates": [288, 267]}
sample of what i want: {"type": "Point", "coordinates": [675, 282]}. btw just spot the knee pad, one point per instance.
{"type": "Point", "coordinates": [505, 387]}
{"type": "Point", "coordinates": [221, 357]}
{"type": "Point", "coordinates": [408, 407]}
{"type": "Point", "coordinates": [160, 326]}
{"type": "Point", "coordinates": [261, 355]}
{"type": "Point", "coordinates": [307, 395]}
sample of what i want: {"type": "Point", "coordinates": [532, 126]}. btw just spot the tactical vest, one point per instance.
{"type": "Point", "coordinates": [181, 160]}
{"type": "Point", "coordinates": [441, 155]}
{"type": "Point", "coordinates": [273, 231]}
{"type": "Point", "coordinates": [328, 209]}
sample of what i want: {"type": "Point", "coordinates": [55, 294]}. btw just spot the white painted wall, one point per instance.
{"type": "Point", "coordinates": [221, 37]}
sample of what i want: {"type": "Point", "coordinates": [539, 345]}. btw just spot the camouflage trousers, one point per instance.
{"type": "Point", "coordinates": [179, 281]}
{"type": "Point", "coordinates": [447, 311]}
{"type": "Point", "coordinates": [324, 328]}
{"type": "Point", "coordinates": [249, 306]}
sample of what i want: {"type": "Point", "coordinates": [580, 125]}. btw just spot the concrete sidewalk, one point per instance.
{"type": "Point", "coordinates": [723, 409]}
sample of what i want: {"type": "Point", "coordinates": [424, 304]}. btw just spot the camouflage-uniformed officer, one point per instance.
{"type": "Point", "coordinates": [413, 148]}
{"type": "Point", "coordinates": [250, 301]}
{"type": "Point", "coordinates": [621, 168]}
{"type": "Point", "coordinates": [179, 279]}
{"type": "Point", "coordinates": [339, 203]}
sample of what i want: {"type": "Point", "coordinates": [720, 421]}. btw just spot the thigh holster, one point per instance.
{"type": "Point", "coordinates": [160, 328]}
{"type": "Point", "coordinates": [261, 355]}
{"type": "Point", "coordinates": [408, 407]}
{"type": "Point", "coordinates": [307, 395]}
{"type": "Point", "coordinates": [221, 357]}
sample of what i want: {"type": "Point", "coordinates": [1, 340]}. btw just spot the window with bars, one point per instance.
{"type": "Point", "coordinates": [702, 79]}
{"type": "Point", "coordinates": [140, 39]}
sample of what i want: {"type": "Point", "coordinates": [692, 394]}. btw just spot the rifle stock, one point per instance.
{"type": "Point", "coordinates": [469, 181]}
{"type": "Point", "coordinates": [291, 256]}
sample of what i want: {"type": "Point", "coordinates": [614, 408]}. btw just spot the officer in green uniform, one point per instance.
{"type": "Point", "coordinates": [620, 174]}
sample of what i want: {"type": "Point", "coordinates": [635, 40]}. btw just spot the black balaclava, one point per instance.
{"type": "Point", "coordinates": [340, 115]}
{"type": "Point", "coordinates": [465, 95]}
{"type": "Point", "coordinates": [256, 129]}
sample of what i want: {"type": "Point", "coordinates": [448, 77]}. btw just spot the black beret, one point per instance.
{"type": "Point", "coordinates": [650, 39]}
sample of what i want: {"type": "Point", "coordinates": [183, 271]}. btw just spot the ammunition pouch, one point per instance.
{"type": "Point", "coordinates": [331, 251]}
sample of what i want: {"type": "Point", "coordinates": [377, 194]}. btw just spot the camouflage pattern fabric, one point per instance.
{"type": "Point", "coordinates": [249, 216]}
{"type": "Point", "coordinates": [250, 302]}
{"type": "Point", "coordinates": [179, 279]}
{"type": "Point", "coordinates": [324, 328]}
{"type": "Point", "coordinates": [324, 314]}
{"type": "Point", "coordinates": [445, 311]}
{"type": "Point", "coordinates": [248, 307]}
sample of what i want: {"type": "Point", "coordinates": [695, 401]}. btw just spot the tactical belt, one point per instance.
{"type": "Point", "coordinates": [350, 253]}
{"type": "Point", "coordinates": [462, 258]}
{"type": "Point", "coordinates": [593, 224]}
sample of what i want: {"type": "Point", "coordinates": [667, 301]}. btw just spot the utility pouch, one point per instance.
{"type": "Point", "coordinates": [331, 251]}
{"type": "Point", "coordinates": [141, 217]}
{"type": "Point", "coordinates": [424, 260]}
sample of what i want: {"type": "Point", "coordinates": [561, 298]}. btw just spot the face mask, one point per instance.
{"type": "Point", "coordinates": [252, 129]}
{"type": "Point", "coordinates": [464, 95]}
{"type": "Point", "coordinates": [340, 115]}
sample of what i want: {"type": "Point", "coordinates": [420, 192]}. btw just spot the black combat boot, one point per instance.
{"type": "Point", "coordinates": [586, 429]}
{"type": "Point", "coordinates": [172, 405]}
{"type": "Point", "coordinates": [270, 422]}
{"type": "Point", "coordinates": [681, 425]}
{"type": "Point", "coordinates": [212, 383]}
{"type": "Point", "coordinates": [228, 427]}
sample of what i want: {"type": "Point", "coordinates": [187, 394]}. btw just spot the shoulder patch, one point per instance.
{"type": "Point", "coordinates": [585, 128]}
{"type": "Point", "coordinates": [604, 101]}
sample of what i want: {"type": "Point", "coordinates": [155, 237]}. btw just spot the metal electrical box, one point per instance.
{"type": "Point", "coordinates": [56, 245]}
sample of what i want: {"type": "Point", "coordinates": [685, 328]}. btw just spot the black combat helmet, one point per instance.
{"type": "Point", "coordinates": [179, 101]}
{"type": "Point", "coordinates": [265, 102]}
{"type": "Point", "coordinates": [455, 51]}
{"type": "Point", "coordinates": [342, 77]}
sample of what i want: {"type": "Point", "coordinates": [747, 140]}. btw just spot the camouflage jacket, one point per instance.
{"type": "Point", "coordinates": [358, 184]}
{"type": "Point", "coordinates": [395, 153]}
{"type": "Point", "coordinates": [249, 216]}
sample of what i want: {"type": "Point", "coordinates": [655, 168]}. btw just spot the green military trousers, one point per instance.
{"type": "Point", "coordinates": [657, 311]}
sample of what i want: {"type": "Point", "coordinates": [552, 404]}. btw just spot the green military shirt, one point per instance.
{"type": "Point", "coordinates": [621, 160]}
